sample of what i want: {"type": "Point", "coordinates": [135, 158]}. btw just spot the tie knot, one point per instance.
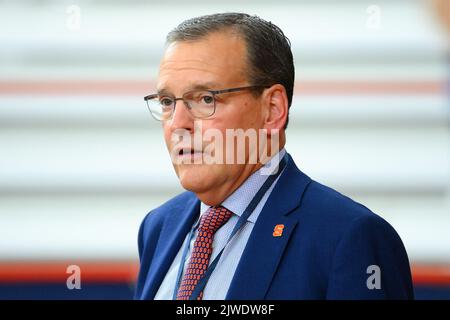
{"type": "Point", "coordinates": [214, 218]}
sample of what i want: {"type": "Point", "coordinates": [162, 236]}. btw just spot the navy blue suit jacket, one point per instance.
{"type": "Point", "coordinates": [326, 247]}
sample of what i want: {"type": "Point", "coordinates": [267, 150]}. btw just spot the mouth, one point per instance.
{"type": "Point", "coordinates": [186, 154]}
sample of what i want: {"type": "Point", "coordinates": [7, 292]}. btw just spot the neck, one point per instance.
{"type": "Point", "coordinates": [217, 195]}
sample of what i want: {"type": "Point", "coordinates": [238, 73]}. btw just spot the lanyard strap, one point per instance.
{"type": "Point", "coordinates": [242, 220]}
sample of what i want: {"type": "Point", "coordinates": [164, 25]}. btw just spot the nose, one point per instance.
{"type": "Point", "coordinates": [181, 118]}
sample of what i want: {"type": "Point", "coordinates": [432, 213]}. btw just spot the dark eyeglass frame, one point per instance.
{"type": "Point", "coordinates": [213, 93]}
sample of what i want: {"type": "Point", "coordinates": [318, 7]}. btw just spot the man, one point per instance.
{"type": "Point", "coordinates": [249, 229]}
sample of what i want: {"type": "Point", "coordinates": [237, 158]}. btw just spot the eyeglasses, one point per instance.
{"type": "Point", "coordinates": [201, 104]}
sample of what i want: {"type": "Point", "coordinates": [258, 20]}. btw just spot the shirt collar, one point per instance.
{"type": "Point", "coordinates": [238, 201]}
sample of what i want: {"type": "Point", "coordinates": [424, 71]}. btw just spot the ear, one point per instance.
{"type": "Point", "coordinates": [277, 107]}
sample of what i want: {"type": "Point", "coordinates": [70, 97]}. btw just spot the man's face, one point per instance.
{"type": "Point", "coordinates": [217, 61]}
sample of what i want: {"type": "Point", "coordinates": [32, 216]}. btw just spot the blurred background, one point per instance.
{"type": "Point", "coordinates": [82, 161]}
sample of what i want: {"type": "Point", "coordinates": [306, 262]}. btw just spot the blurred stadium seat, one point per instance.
{"type": "Point", "coordinates": [82, 162]}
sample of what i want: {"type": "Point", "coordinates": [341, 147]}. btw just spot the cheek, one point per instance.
{"type": "Point", "coordinates": [167, 135]}
{"type": "Point", "coordinates": [249, 116]}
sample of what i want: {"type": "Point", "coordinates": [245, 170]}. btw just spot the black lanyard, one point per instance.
{"type": "Point", "coordinates": [242, 220]}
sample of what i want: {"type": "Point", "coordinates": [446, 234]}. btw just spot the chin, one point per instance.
{"type": "Point", "coordinates": [194, 177]}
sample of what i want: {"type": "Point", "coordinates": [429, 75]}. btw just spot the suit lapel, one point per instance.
{"type": "Point", "coordinates": [178, 224]}
{"type": "Point", "coordinates": [263, 251]}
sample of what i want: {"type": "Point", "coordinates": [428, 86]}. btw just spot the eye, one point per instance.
{"type": "Point", "coordinates": [208, 99]}
{"type": "Point", "coordinates": [166, 102]}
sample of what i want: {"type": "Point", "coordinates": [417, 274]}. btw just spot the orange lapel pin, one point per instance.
{"type": "Point", "coordinates": [278, 230]}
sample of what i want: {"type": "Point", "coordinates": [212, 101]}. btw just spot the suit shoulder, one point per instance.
{"type": "Point", "coordinates": [161, 212]}
{"type": "Point", "coordinates": [180, 199]}
{"type": "Point", "coordinates": [335, 214]}
{"type": "Point", "coordinates": [330, 203]}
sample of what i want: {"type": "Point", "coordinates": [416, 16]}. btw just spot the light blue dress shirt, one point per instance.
{"type": "Point", "coordinates": [220, 280]}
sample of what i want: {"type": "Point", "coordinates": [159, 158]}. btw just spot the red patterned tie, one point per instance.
{"type": "Point", "coordinates": [210, 222]}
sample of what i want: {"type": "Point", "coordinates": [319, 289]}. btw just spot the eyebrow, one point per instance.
{"type": "Point", "coordinates": [197, 86]}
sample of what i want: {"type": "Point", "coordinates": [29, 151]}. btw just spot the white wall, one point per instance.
{"type": "Point", "coordinates": [80, 166]}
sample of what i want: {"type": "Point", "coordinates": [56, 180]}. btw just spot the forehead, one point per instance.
{"type": "Point", "coordinates": [219, 58]}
